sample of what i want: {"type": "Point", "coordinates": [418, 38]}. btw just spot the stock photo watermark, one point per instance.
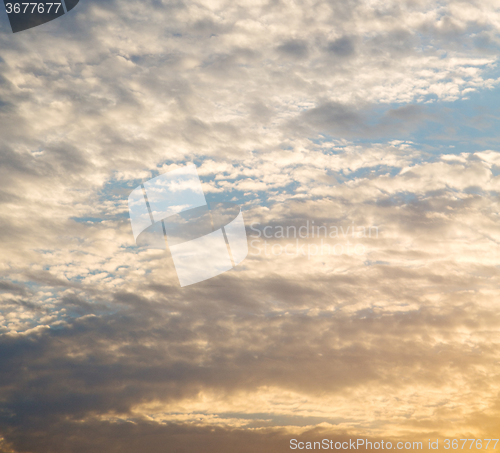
{"type": "Point", "coordinates": [365, 444]}
{"type": "Point", "coordinates": [26, 15]}
{"type": "Point", "coordinates": [310, 239]}
{"type": "Point", "coordinates": [204, 241]}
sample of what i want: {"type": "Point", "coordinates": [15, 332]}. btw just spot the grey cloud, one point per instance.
{"type": "Point", "coordinates": [295, 48]}
{"type": "Point", "coordinates": [335, 117]}
{"type": "Point", "coordinates": [12, 288]}
{"type": "Point", "coordinates": [261, 112]}
{"type": "Point", "coordinates": [107, 364]}
{"type": "Point", "coordinates": [134, 435]}
{"type": "Point", "coordinates": [394, 43]}
{"type": "Point", "coordinates": [342, 47]}
{"type": "Point", "coordinates": [346, 121]}
{"type": "Point", "coordinates": [410, 112]}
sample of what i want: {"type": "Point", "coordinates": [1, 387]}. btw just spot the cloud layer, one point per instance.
{"type": "Point", "coordinates": [333, 114]}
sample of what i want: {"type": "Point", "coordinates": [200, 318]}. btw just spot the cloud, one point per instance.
{"type": "Point", "coordinates": [342, 47]}
{"type": "Point", "coordinates": [294, 48]}
{"type": "Point", "coordinates": [337, 113]}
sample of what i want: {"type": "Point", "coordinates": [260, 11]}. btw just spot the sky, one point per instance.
{"type": "Point", "coordinates": [374, 119]}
